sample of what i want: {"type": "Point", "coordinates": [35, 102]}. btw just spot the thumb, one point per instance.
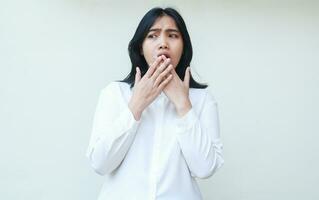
{"type": "Point", "coordinates": [187, 77]}
{"type": "Point", "coordinates": [137, 75]}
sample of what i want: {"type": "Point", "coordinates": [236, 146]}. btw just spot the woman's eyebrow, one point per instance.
{"type": "Point", "coordinates": [154, 29]}
{"type": "Point", "coordinates": [172, 30]}
{"type": "Point", "coordinates": [166, 30]}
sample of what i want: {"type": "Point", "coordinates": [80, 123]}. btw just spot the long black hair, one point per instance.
{"type": "Point", "coordinates": [135, 45]}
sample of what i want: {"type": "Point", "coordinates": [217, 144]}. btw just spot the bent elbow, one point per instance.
{"type": "Point", "coordinates": [99, 170]}
{"type": "Point", "coordinates": [209, 171]}
{"type": "Point", "coordinates": [202, 174]}
{"type": "Point", "coordinates": [103, 168]}
{"type": "Point", "coordinates": [100, 166]}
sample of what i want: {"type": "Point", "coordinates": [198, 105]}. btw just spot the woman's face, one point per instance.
{"type": "Point", "coordinates": [163, 38]}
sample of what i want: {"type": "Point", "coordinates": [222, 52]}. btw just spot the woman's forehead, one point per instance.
{"type": "Point", "coordinates": [164, 22]}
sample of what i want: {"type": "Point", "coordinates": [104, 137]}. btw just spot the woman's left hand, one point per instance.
{"type": "Point", "coordinates": [178, 92]}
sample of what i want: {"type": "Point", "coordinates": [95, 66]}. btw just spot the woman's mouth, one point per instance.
{"type": "Point", "coordinates": [161, 53]}
{"type": "Point", "coordinates": [167, 55]}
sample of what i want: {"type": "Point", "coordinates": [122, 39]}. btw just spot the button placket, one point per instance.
{"type": "Point", "coordinates": [156, 149]}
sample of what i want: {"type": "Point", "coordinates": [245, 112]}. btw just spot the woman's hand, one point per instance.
{"type": "Point", "coordinates": [178, 92]}
{"type": "Point", "coordinates": [146, 89]}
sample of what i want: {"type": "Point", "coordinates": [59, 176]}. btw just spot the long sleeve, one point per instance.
{"type": "Point", "coordinates": [113, 132]}
{"type": "Point", "coordinates": [199, 138]}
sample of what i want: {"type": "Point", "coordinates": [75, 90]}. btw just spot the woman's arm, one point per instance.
{"type": "Point", "coordinates": [199, 139]}
{"type": "Point", "coordinates": [116, 121]}
{"type": "Point", "coordinates": [113, 132]}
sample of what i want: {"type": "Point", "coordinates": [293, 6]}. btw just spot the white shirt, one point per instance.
{"type": "Point", "coordinates": [159, 156]}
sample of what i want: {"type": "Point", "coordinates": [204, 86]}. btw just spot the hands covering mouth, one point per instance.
{"type": "Point", "coordinates": [160, 77]}
{"type": "Point", "coordinates": [164, 56]}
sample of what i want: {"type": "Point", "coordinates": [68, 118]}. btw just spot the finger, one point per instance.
{"type": "Point", "coordinates": [165, 82]}
{"type": "Point", "coordinates": [187, 77]}
{"type": "Point", "coordinates": [161, 68]}
{"type": "Point", "coordinates": [175, 74]}
{"type": "Point", "coordinates": [137, 75]}
{"type": "Point", "coordinates": [152, 68]}
{"type": "Point", "coordinates": [163, 75]}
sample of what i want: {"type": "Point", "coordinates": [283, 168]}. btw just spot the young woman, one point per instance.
{"type": "Point", "coordinates": [157, 130]}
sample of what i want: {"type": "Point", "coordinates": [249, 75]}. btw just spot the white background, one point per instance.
{"type": "Point", "coordinates": [260, 59]}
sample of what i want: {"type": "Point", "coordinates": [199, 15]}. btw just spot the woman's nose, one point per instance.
{"type": "Point", "coordinates": [163, 43]}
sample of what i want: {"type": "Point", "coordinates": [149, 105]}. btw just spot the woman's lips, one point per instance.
{"type": "Point", "coordinates": [156, 55]}
{"type": "Point", "coordinates": [167, 56]}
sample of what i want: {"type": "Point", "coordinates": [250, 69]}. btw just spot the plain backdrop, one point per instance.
{"type": "Point", "coordinates": [259, 57]}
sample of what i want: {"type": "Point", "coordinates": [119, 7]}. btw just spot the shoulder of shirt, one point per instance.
{"type": "Point", "coordinates": [115, 85]}
{"type": "Point", "coordinates": [201, 95]}
{"type": "Point", "coordinates": [196, 95]}
{"type": "Point", "coordinates": [117, 89]}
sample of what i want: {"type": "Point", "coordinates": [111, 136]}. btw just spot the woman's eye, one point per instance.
{"type": "Point", "coordinates": [173, 35]}
{"type": "Point", "coordinates": [151, 36]}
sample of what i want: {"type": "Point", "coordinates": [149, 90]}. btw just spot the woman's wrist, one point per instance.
{"type": "Point", "coordinates": [183, 107]}
{"type": "Point", "coordinates": [135, 109]}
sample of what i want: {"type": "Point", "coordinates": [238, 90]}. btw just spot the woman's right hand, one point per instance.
{"type": "Point", "coordinates": [146, 89]}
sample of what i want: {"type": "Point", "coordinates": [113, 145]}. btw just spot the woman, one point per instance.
{"type": "Point", "coordinates": [157, 130]}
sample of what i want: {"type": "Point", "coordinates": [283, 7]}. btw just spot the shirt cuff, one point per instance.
{"type": "Point", "coordinates": [131, 121]}
{"type": "Point", "coordinates": [186, 122]}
